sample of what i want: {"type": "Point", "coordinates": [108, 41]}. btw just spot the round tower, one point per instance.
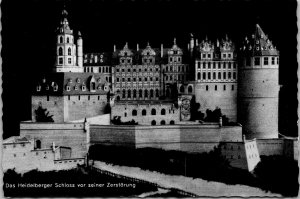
{"type": "Point", "coordinates": [258, 87]}
{"type": "Point", "coordinates": [66, 60]}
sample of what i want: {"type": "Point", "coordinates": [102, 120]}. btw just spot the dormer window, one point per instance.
{"type": "Point", "coordinates": [38, 88]}
{"type": "Point", "coordinates": [76, 88]}
{"type": "Point", "coordinates": [47, 88]}
{"type": "Point", "coordinates": [78, 80]}
{"type": "Point", "coordinates": [70, 81]}
{"type": "Point", "coordinates": [55, 88]}
{"type": "Point", "coordinates": [68, 88]}
{"type": "Point", "coordinates": [83, 88]}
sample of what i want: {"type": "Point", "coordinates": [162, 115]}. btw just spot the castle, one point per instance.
{"type": "Point", "coordinates": [157, 88]}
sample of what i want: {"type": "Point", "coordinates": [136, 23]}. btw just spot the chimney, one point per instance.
{"type": "Point", "coordinates": [53, 146]}
{"type": "Point", "coordinates": [114, 48]}
{"type": "Point", "coordinates": [137, 47]}
{"type": "Point", "coordinates": [220, 121]}
{"type": "Point", "coordinates": [161, 50]}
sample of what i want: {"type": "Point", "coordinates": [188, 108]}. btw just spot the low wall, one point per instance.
{"type": "Point", "coordinates": [62, 134]}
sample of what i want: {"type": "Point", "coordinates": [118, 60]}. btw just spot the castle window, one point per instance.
{"type": "Point", "coordinates": [83, 88]}
{"type": "Point", "coordinates": [60, 39]}
{"type": "Point", "coordinates": [207, 87]}
{"type": "Point", "coordinates": [69, 51]}
{"type": "Point", "coordinates": [179, 59]}
{"type": "Point", "coordinates": [273, 60]}
{"type": "Point", "coordinates": [38, 88]}
{"type": "Point", "coordinates": [69, 60]}
{"type": "Point", "coordinates": [128, 79]}
{"type": "Point", "coordinates": [199, 75]}
{"type": "Point", "coordinates": [140, 93]}
{"type": "Point", "coordinates": [68, 40]}
{"type": "Point", "coordinates": [151, 93]}
{"type": "Point", "coordinates": [224, 64]}
{"type": "Point", "coordinates": [234, 75]}
{"type": "Point", "coordinates": [204, 75]}
{"type": "Point", "coordinates": [229, 64]}
{"type": "Point", "coordinates": [118, 79]}
{"type": "Point", "coordinates": [37, 144]}
{"type": "Point", "coordinates": [224, 75]}
{"type": "Point", "coordinates": [123, 79]}
{"type": "Point", "coordinates": [277, 60]}
{"type": "Point", "coordinates": [190, 89]}
{"type": "Point", "coordinates": [203, 55]}
{"type": "Point", "coordinates": [172, 122]}
{"type": "Point", "coordinates": [216, 87]}
{"type": "Point", "coordinates": [134, 112]}
{"type": "Point", "coordinates": [229, 55]}
{"type": "Point", "coordinates": [229, 75]}
{"type": "Point", "coordinates": [145, 93]}
{"type": "Point", "coordinates": [15, 155]}
{"type": "Point", "coordinates": [171, 59]}
{"type": "Point", "coordinates": [266, 60]}
{"type": "Point", "coordinates": [157, 93]}
{"type": "Point", "coordinates": [208, 75]}
{"type": "Point", "coordinates": [208, 55]}
{"type": "Point", "coordinates": [122, 60]}
{"type": "Point", "coordinates": [98, 97]}
{"type": "Point", "coordinates": [129, 94]}
{"type": "Point", "coordinates": [144, 112]}
{"type": "Point", "coordinates": [118, 70]}
{"type": "Point", "coordinates": [224, 87]}
{"type": "Point", "coordinates": [60, 51]}
{"type": "Point", "coordinates": [68, 88]}
{"type": "Point", "coordinates": [256, 61]}
{"type": "Point", "coordinates": [214, 75]}
{"type": "Point", "coordinates": [232, 87]}
{"type": "Point", "coordinates": [214, 64]}
{"type": "Point", "coordinates": [134, 79]}
{"type": "Point", "coordinates": [219, 75]}
{"type": "Point", "coordinates": [181, 88]}
{"type": "Point", "coordinates": [89, 97]}
{"type": "Point", "coordinates": [153, 112]}
{"type": "Point", "coordinates": [224, 55]}
{"type": "Point", "coordinates": [60, 60]}
{"type": "Point", "coordinates": [204, 65]}
{"type": "Point", "coordinates": [171, 77]}
{"type": "Point", "coordinates": [163, 111]}
{"type": "Point", "coordinates": [153, 122]}
{"type": "Point", "coordinates": [163, 122]}
{"type": "Point", "coordinates": [125, 114]}
{"type": "Point", "coordinates": [134, 93]}
{"type": "Point", "coordinates": [208, 65]}
{"type": "Point", "coordinates": [123, 93]}
{"type": "Point", "coordinates": [55, 88]}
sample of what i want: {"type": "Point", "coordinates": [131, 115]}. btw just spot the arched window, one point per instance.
{"type": "Point", "coordinates": [69, 51]}
{"type": "Point", "coordinates": [163, 111]}
{"type": "Point", "coordinates": [134, 93]}
{"type": "Point", "coordinates": [229, 75]}
{"type": "Point", "coordinates": [151, 93]}
{"type": "Point", "coordinates": [134, 112]}
{"type": "Point", "coordinates": [93, 86]}
{"type": "Point", "coordinates": [224, 75]}
{"type": "Point", "coordinates": [118, 98]}
{"type": "Point", "coordinates": [181, 89]}
{"type": "Point", "coordinates": [60, 39]}
{"type": "Point", "coordinates": [234, 75]}
{"type": "Point", "coordinates": [163, 122]}
{"type": "Point", "coordinates": [190, 89]}
{"type": "Point", "coordinates": [153, 112]}
{"type": "Point", "coordinates": [204, 75]}
{"type": "Point", "coordinates": [60, 51]}
{"type": "Point", "coordinates": [219, 75]}
{"type": "Point", "coordinates": [145, 93]}
{"type": "Point", "coordinates": [144, 112]}
{"type": "Point", "coordinates": [199, 75]}
{"type": "Point", "coordinates": [214, 75]}
{"type": "Point", "coordinates": [168, 93]}
{"type": "Point", "coordinates": [38, 144]}
{"type": "Point", "coordinates": [172, 122]}
{"type": "Point", "coordinates": [123, 93]}
{"type": "Point", "coordinates": [68, 40]}
{"type": "Point", "coordinates": [208, 76]}
{"type": "Point", "coordinates": [153, 122]}
{"type": "Point", "coordinates": [140, 93]}
{"type": "Point", "coordinates": [129, 94]}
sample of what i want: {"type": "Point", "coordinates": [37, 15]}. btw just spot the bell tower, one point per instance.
{"type": "Point", "coordinates": [258, 88]}
{"type": "Point", "coordinates": [66, 55]}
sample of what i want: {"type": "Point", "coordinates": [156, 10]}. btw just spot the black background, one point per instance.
{"type": "Point", "coordinates": [28, 38]}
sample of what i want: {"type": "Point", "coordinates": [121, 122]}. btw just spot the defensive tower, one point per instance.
{"type": "Point", "coordinates": [258, 87]}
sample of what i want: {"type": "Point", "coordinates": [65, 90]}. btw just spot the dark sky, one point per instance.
{"type": "Point", "coordinates": [29, 26]}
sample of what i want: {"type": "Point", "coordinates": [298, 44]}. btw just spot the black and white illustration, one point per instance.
{"type": "Point", "coordinates": [140, 98]}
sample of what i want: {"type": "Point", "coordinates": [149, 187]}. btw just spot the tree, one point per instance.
{"type": "Point", "coordinates": [42, 115]}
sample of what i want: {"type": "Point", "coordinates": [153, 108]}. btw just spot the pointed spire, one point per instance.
{"type": "Point", "coordinates": [218, 43]}
{"type": "Point", "coordinates": [148, 44]}
{"type": "Point", "coordinates": [126, 45]}
{"type": "Point", "coordinates": [174, 40]}
{"type": "Point", "coordinates": [206, 39]}
{"type": "Point", "coordinates": [226, 37]}
{"type": "Point", "coordinates": [79, 34]}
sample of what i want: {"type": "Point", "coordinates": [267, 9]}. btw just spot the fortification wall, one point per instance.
{"type": "Point", "coordinates": [269, 147]}
{"type": "Point", "coordinates": [210, 98]}
{"type": "Point", "coordinates": [110, 134]}
{"type": "Point", "coordinates": [80, 106]}
{"type": "Point", "coordinates": [235, 153]}
{"type": "Point", "coordinates": [126, 113]}
{"type": "Point", "coordinates": [64, 134]}
{"type": "Point", "coordinates": [53, 104]}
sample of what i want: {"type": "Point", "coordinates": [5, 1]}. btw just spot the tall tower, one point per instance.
{"type": "Point", "coordinates": [258, 87]}
{"type": "Point", "coordinates": [66, 60]}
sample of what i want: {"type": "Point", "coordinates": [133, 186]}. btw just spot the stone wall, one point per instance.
{"type": "Point", "coordinates": [210, 98]}
{"type": "Point", "coordinates": [70, 135]}
{"type": "Point", "coordinates": [126, 113]}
